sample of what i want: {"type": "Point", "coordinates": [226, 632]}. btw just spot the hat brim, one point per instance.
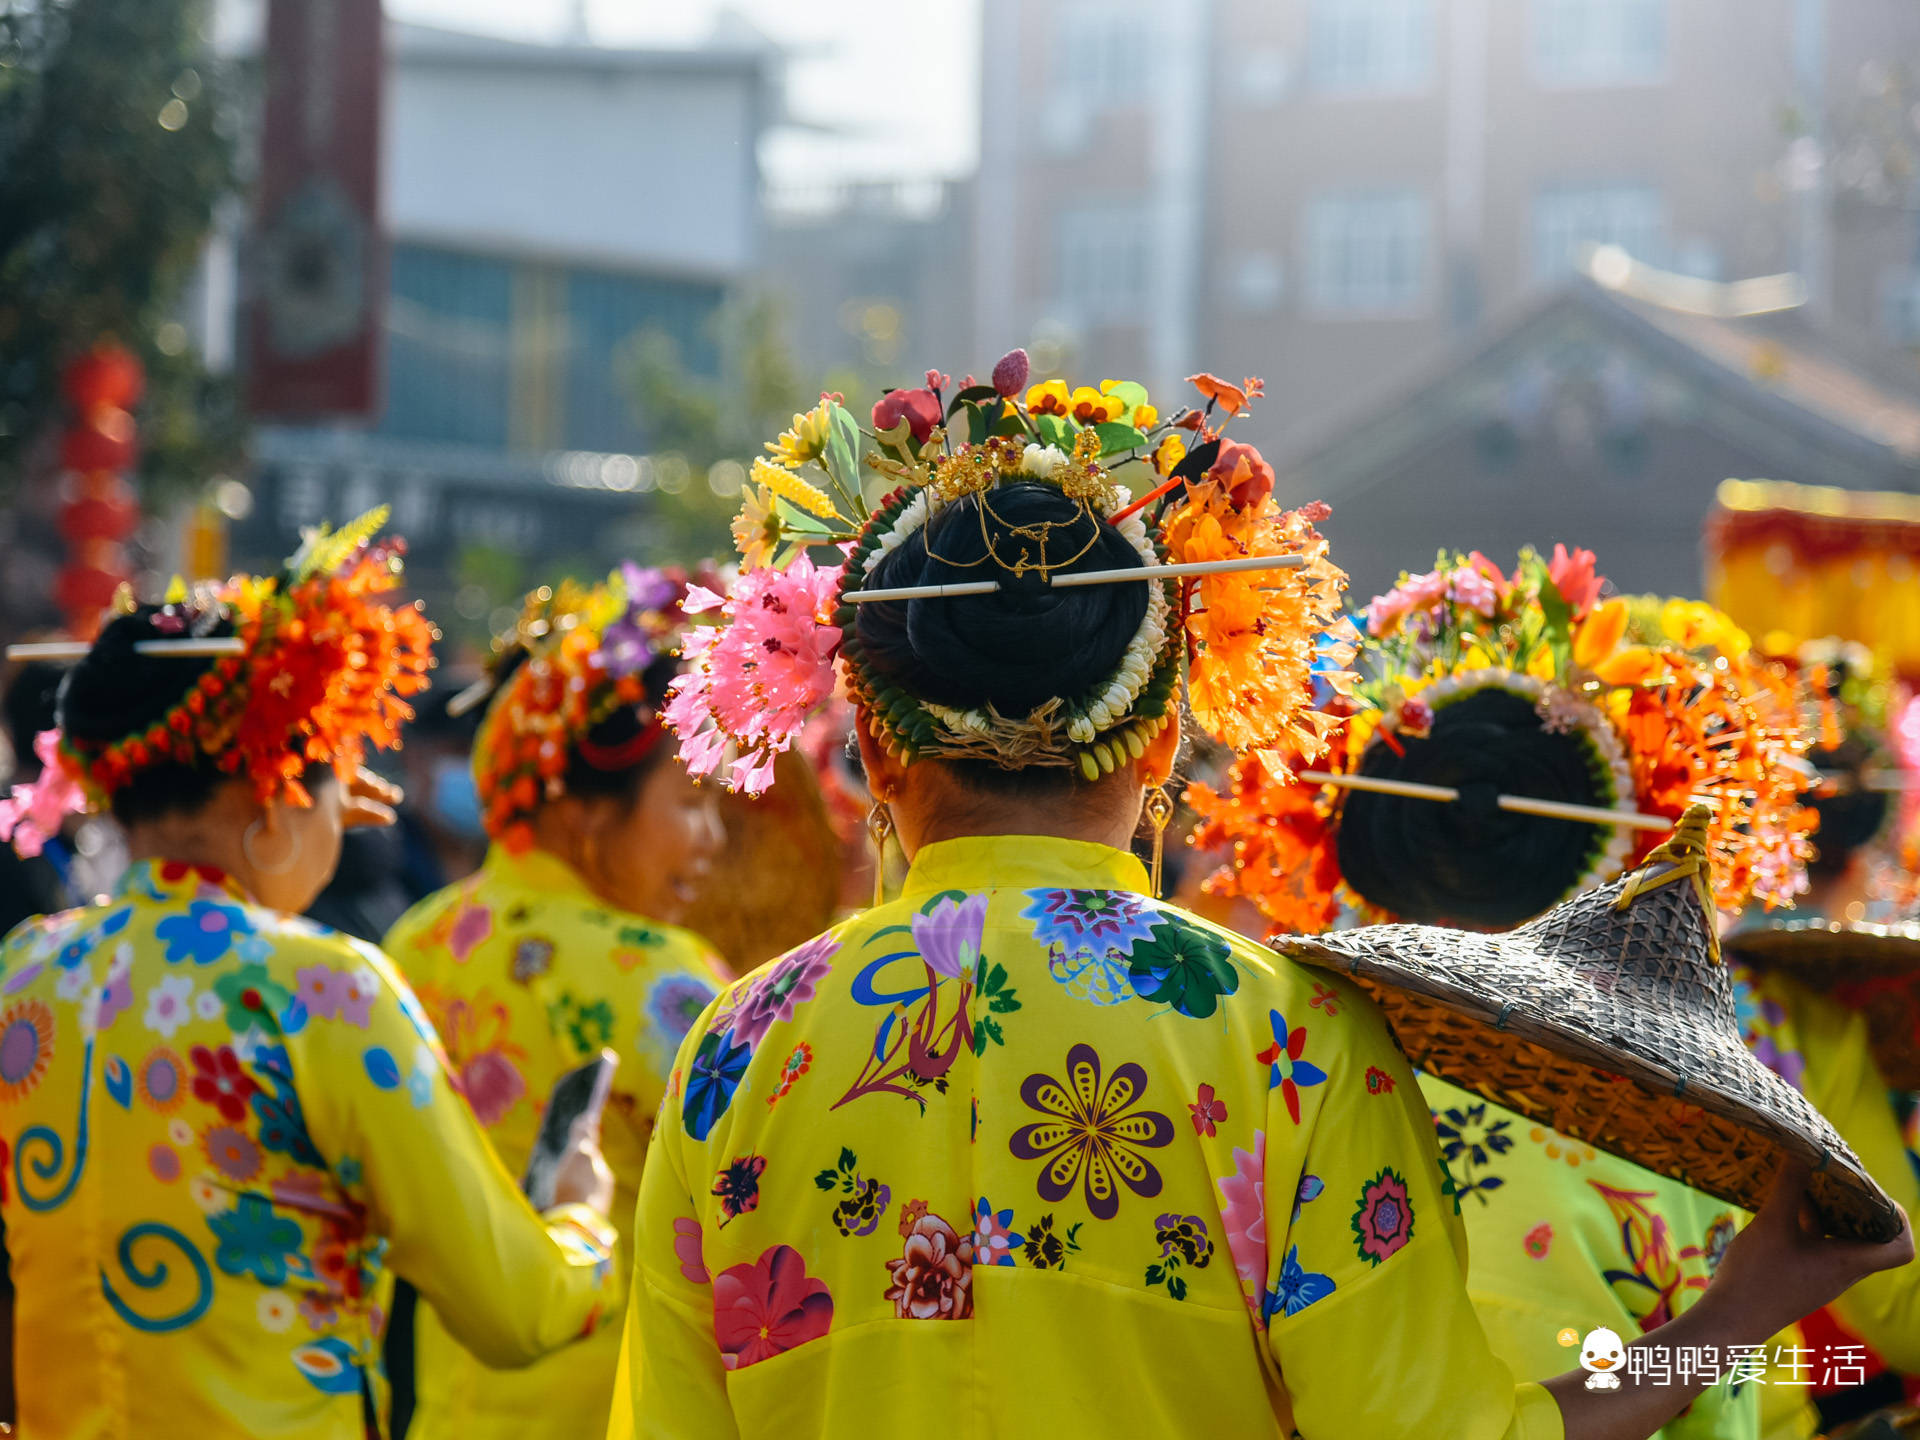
{"type": "Point", "coordinates": [1590, 1021]}
{"type": "Point", "coordinates": [1874, 969]}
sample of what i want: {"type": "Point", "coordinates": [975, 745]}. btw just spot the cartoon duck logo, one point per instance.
{"type": "Point", "coordinates": [1603, 1354]}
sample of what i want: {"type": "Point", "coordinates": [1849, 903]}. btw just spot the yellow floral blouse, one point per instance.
{"type": "Point", "coordinates": [1027, 1153]}
{"type": "Point", "coordinates": [1820, 1048]}
{"type": "Point", "coordinates": [219, 1126]}
{"type": "Point", "coordinates": [527, 975]}
{"type": "Point", "coordinates": [1565, 1238]}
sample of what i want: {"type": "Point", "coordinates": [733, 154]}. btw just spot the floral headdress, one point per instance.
{"type": "Point", "coordinates": [1248, 639]}
{"type": "Point", "coordinates": [1667, 696]}
{"type": "Point", "coordinates": [1850, 699]}
{"type": "Point", "coordinates": [586, 652]}
{"type": "Point", "coordinates": [313, 673]}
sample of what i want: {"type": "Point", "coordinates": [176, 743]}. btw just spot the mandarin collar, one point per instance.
{"type": "Point", "coordinates": [1021, 862]}
{"type": "Point", "coordinates": [536, 869]}
{"type": "Point", "coordinates": [179, 880]}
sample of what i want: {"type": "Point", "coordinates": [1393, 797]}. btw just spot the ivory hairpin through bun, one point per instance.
{"type": "Point", "coordinates": [1089, 577]}
{"type": "Point", "coordinates": [1519, 804]}
{"type": "Point", "coordinates": [70, 650]}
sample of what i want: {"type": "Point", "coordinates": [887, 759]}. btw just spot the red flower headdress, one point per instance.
{"type": "Point", "coordinates": [318, 674]}
{"type": "Point", "coordinates": [586, 650]}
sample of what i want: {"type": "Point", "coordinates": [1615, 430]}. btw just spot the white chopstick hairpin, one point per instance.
{"type": "Point", "coordinates": [190, 649]}
{"type": "Point", "coordinates": [1089, 577]}
{"type": "Point", "coordinates": [1519, 804]}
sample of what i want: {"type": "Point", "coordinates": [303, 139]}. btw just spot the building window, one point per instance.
{"type": "Point", "coordinates": [1568, 218]}
{"type": "Point", "coordinates": [611, 319]}
{"type": "Point", "coordinates": [449, 337]}
{"type": "Point", "coordinates": [1900, 305]}
{"type": "Point", "coordinates": [1600, 42]}
{"type": "Point", "coordinates": [1101, 56]}
{"type": "Point", "coordinates": [1105, 255]}
{"type": "Point", "coordinates": [1367, 252]}
{"type": "Point", "coordinates": [1371, 47]}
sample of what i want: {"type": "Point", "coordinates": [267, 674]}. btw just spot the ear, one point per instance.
{"type": "Point", "coordinates": [273, 814]}
{"type": "Point", "coordinates": [884, 773]}
{"type": "Point", "coordinates": [1155, 767]}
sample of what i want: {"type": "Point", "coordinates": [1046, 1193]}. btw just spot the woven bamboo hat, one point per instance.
{"type": "Point", "coordinates": [1874, 969]}
{"type": "Point", "coordinates": [1611, 1019]}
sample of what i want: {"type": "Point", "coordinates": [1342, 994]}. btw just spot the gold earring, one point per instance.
{"type": "Point", "coordinates": [1159, 812]}
{"type": "Point", "coordinates": [880, 828]}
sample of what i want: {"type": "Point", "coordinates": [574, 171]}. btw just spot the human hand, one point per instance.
{"type": "Point", "coordinates": [583, 1176]}
{"type": "Point", "coordinates": [369, 801]}
{"type": "Point", "coordinates": [1781, 1267]}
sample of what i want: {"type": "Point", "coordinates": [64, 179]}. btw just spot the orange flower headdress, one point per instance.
{"type": "Point", "coordinates": [576, 657]}
{"type": "Point", "coordinates": [1242, 598]}
{"type": "Point", "coordinates": [1662, 702]}
{"type": "Point", "coordinates": [313, 670]}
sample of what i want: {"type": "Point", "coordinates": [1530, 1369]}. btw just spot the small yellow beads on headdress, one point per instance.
{"type": "Point", "coordinates": [1082, 478]}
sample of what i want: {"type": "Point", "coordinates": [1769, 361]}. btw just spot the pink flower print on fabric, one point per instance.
{"type": "Point", "coordinates": [493, 1085]}
{"type": "Point", "coordinates": [948, 936]}
{"type": "Point", "coordinates": [1243, 1215]}
{"type": "Point", "coordinates": [332, 994]}
{"type": "Point", "coordinates": [788, 982]}
{"type": "Point", "coordinates": [688, 1250]}
{"type": "Point", "coordinates": [118, 992]}
{"type": "Point", "coordinates": [471, 926]}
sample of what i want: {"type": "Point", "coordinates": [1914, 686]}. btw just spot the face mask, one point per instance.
{"type": "Point", "coordinates": [456, 801]}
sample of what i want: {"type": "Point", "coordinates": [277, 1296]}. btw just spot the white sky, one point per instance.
{"type": "Point", "coordinates": [895, 82]}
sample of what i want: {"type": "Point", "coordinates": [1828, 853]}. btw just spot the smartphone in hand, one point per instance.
{"type": "Point", "coordinates": [579, 1095]}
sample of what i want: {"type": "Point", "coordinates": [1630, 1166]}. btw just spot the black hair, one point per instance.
{"type": "Point", "coordinates": [1852, 815]}
{"type": "Point", "coordinates": [116, 692]}
{"type": "Point", "coordinates": [29, 706]}
{"type": "Point", "coordinates": [1468, 862]}
{"type": "Point", "coordinates": [1020, 646]}
{"type": "Point", "coordinates": [623, 727]}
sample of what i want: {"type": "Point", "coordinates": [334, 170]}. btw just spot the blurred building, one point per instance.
{"type": "Point", "coordinates": [1330, 193]}
{"type": "Point", "coordinates": [874, 277]}
{"type": "Point", "coordinates": [1606, 413]}
{"type": "Point", "coordinates": [551, 211]}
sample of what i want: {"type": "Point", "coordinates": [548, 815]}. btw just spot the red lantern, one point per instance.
{"type": "Point", "coordinates": [101, 518]}
{"type": "Point", "coordinates": [109, 374]}
{"type": "Point", "coordinates": [83, 592]}
{"type": "Point", "coordinates": [101, 440]}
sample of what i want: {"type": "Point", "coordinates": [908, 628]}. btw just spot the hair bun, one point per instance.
{"type": "Point", "coordinates": [1027, 642]}
{"type": "Point", "coordinates": [116, 691]}
{"type": "Point", "coordinates": [1851, 816]}
{"type": "Point", "coordinates": [1469, 862]}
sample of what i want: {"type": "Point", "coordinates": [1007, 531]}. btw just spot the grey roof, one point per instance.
{"type": "Point", "coordinates": [1774, 383]}
{"type": "Point", "coordinates": [742, 52]}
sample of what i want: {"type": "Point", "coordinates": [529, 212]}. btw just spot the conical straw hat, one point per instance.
{"type": "Point", "coordinates": [1611, 1019]}
{"type": "Point", "coordinates": [1875, 969]}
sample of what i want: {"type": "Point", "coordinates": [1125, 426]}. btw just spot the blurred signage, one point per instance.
{"type": "Point", "coordinates": [573, 508]}
{"type": "Point", "coordinates": [319, 265]}
{"type": "Point", "coordinates": [1793, 563]}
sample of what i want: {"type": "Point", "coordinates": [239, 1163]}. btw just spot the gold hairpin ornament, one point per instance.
{"type": "Point", "coordinates": [1087, 577]}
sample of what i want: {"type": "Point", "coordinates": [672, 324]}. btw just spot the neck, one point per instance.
{"type": "Point", "coordinates": [1111, 820]}
{"type": "Point", "coordinates": [559, 829]}
{"type": "Point", "coordinates": [192, 841]}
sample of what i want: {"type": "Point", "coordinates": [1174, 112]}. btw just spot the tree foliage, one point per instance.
{"type": "Point", "coordinates": [112, 159]}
